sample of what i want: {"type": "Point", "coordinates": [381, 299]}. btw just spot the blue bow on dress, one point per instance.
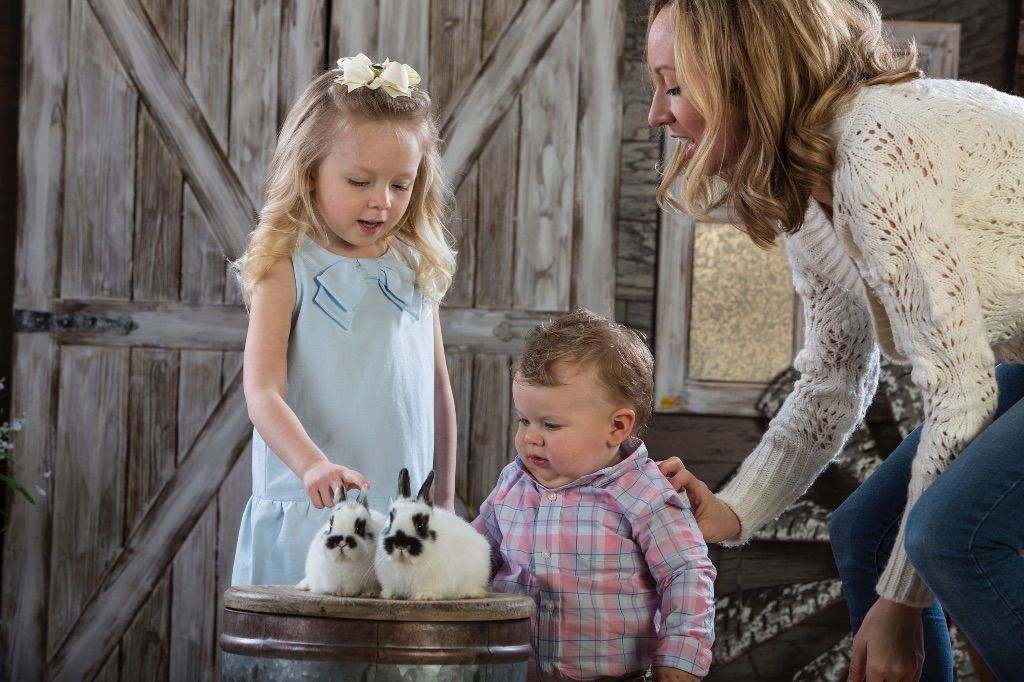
{"type": "Point", "coordinates": [341, 286]}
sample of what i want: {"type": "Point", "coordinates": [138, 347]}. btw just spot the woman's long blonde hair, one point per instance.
{"type": "Point", "coordinates": [786, 67]}
{"type": "Point", "coordinates": [289, 212]}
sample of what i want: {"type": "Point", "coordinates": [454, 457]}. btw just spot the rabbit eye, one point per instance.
{"type": "Point", "coordinates": [361, 527]}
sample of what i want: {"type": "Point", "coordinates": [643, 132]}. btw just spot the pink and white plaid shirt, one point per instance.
{"type": "Point", "coordinates": [616, 564]}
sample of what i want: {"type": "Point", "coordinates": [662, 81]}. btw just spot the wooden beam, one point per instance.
{"type": "Point", "coordinates": [194, 326]}
{"type": "Point", "coordinates": [156, 540]}
{"type": "Point", "coordinates": [180, 121]}
{"type": "Point", "coordinates": [468, 124]}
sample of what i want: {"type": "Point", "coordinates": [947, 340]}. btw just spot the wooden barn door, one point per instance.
{"type": "Point", "coordinates": [146, 127]}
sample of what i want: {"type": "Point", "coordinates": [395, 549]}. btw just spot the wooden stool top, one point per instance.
{"type": "Point", "coordinates": [286, 600]}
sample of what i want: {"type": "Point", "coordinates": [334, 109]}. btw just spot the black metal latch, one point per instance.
{"type": "Point", "coordinates": [42, 321]}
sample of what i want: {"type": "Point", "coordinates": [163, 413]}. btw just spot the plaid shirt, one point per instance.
{"type": "Point", "coordinates": [602, 557]}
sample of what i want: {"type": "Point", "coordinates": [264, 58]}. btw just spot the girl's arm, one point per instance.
{"type": "Point", "coordinates": [444, 424]}
{"type": "Point", "coordinates": [266, 379]}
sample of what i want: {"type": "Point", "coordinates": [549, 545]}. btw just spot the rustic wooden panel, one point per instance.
{"type": "Point", "coordinates": [152, 407]}
{"type": "Point", "coordinates": [496, 217]}
{"type": "Point", "coordinates": [489, 448]}
{"type": "Point", "coordinates": [88, 512]}
{"type": "Point", "coordinates": [194, 572]}
{"type": "Point", "coordinates": [145, 648]}
{"type": "Point", "coordinates": [455, 30]}
{"type": "Point", "coordinates": [597, 163]}
{"type": "Point", "coordinates": [353, 29]}
{"type": "Point", "coordinates": [170, 19]}
{"type": "Point", "coordinates": [303, 50]}
{"type": "Point", "coordinates": [497, 16]}
{"type": "Point", "coordinates": [111, 671]}
{"type": "Point", "coordinates": [460, 372]}
{"type": "Point", "coordinates": [99, 195]}
{"type": "Point", "coordinates": [403, 35]}
{"type": "Point", "coordinates": [770, 564]}
{"type": "Point", "coordinates": [208, 69]}
{"type": "Point", "coordinates": [156, 261]}
{"type": "Point", "coordinates": [547, 173]}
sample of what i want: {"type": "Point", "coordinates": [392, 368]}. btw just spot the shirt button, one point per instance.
{"type": "Point", "coordinates": [552, 668]}
{"type": "Point", "coordinates": [550, 606]}
{"type": "Point", "coordinates": [552, 496]}
{"type": "Point", "coordinates": [546, 554]}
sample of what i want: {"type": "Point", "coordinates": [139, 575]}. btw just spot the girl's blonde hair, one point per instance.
{"type": "Point", "coordinates": [290, 213]}
{"type": "Point", "coordinates": [786, 67]}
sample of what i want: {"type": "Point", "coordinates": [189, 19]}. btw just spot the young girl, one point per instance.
{"type": "Point", "coordinates": [345, 374]}
{"type": "Point", "coordinates": [900, 201]}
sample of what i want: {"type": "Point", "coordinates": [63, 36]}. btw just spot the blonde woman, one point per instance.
{"type": "Point", "coordinates": [345, 375]}
{"type": "Point", "coordinates": [900, 203]}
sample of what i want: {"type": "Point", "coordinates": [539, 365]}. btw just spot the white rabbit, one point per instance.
{"type": "Point", "coordinates": [340, 557]}
{"type": "Point", "coordinates": [427, 553]}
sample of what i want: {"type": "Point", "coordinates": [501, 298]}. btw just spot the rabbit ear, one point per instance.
{"type": "Point", "coordinates": [426, 493]}
{"type": "Point", "coordinates": [363, 498]}
{"type": "Point", "coordinates": [339, 494]}
{"type": "Point", "coordinates": [404, 486]}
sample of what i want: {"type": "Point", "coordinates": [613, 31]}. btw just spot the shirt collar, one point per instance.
{"type": "Point", "coordinates": [632, 454]}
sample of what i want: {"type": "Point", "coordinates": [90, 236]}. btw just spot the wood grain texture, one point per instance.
{"type": "Point", "coordinates": [502, 74]}
{"type": "Point", "coordinates": [353, 29]}
{"type": "Point", "coordinates": [496, 216]}
{"type": "Point", "coordinates": [460, 372]}
{"type": "Point", "coordinates": [597, 162]}
{"type": "Point", "coordinates": [159, 535]}
{"type": "Point", "coordinates": [547, 173]}
{"type": "Point", "coordinates": [96, 250]}
{"type": "Point", "coordinates": [284, 599]}
{"type": "Point", "coordinates": [89, 484]}
{"type": "Point", "coordinates": [303, 50]}
{"type": "Point", "coordinates": [145, 650]}
{"type": "Point", "coordinates": [156, 246]}
{"type": "Point", "coordinates": [183, 127]}
{"type": "Point", "coordinates": [207, 75]}
{"type": "Point", "coordinates": [489, 448]}
{"type": "Point", "coordinates": [771, 564]}
{"type": "Point", "coordinates": [403, 35]}
{"type": "Point", "coordinates": [231, 498]}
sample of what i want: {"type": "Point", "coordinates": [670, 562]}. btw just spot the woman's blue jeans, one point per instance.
{"type": "Point", "coordinates": [963, 537]}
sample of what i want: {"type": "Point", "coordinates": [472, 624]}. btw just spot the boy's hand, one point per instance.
{"type": "Point", "coordinates": [662, 674]}
{"type": "Point", "coordinates": [321, 480]}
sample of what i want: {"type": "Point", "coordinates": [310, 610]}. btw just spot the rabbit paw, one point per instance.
{"type": "Point", "coordinates": [303, 585]}
{"type": "Point", "coordinates": [478, 593]}
{"type": "Point", "coordinates": [388, 595]}
{"type": "Point", "coordinates": [423, 596]}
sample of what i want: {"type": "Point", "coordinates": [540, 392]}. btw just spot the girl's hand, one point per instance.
{"type": "Point", "coordinates": [662, 674]}
{"type": "Point", "coordinates": [889, 645]}
{"type": "Point", "coordinates": [716, 520]}
{"type": "Point", "coordinates": [321, 480]}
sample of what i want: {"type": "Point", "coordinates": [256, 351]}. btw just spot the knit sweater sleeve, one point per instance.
{"type": "Point", "coordinates": [893, 191]}
{"type": "Point", "coordinates": [838, 368]}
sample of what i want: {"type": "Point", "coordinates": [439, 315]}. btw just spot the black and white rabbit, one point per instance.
{"type": "Point", "coordinates": [340, 557]}
{"type": "Point", "coordinates": [426, 552]}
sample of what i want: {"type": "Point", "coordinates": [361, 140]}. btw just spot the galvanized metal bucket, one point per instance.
{"type": "Point", "coordinates": [274, 632]}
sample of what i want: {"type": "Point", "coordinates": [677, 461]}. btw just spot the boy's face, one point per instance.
{"type": "Point", "coordinates": [569, 430]}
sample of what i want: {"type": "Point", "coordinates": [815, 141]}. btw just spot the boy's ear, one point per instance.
{"type": "Point", "coordinates": [622, 422]}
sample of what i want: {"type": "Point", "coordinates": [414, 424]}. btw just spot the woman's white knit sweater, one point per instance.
{"type": "Point", "coordinates": [923, 258]}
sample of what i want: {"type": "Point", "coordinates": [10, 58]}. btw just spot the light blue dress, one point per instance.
{"type": "Point", "coordinates": [361, 381]}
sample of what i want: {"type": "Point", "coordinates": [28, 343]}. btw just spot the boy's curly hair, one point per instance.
{"type": "Point", "coordinates": [624, 363]}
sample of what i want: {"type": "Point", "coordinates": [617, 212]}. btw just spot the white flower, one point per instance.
{"type": "Point", "coordinates": [355, 71]}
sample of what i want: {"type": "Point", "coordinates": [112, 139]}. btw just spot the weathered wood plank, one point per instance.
{"type": "Point", "coordinates": [503, 72]}
{"type": "Point", "coordinates": [769, 564]}
{"type": "Point", "coordinates": [152, 442]}
{"type": "Point", "coordinates": [27, 545]}
{"type": "Point", "coordinates": [489, 449]}
{"type": "Point", "coordinates": [88, 499]}
{"type": "Point", "coordinates": [208, 68]}
{"type": "Point", "coordinates": [170, 19]}
{"type": "Point", "coordinates": [460, 371]}
{"type": "Point", "coordinates": [145, 649]}
{"type": "Point", "coordinates": [498, 172]}
{"type": "Point", "coordinates": [353, 29]}
{"type": "Point", "coordinates": [161, 533]}
{"type": "Point", "coordinates": [156, 252]}
{"type": "Point", "coordinates": [194, 571]}
{"type": "Point", "coordinates": [597, 163]}
{"type": "Point", "coordinates": [99, 194]}
{"type": "Point", "coordinates": [303, 50]}
{"type": "Point", "coordinates": [455, 30]}
{"type": "Point", "coordinates": [182, 125]}
{"type": "Point", "coordinates": [547, 173]}
{"type": "Point", "coordinates": [403, 35]}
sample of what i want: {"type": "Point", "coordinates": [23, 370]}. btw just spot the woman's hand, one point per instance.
{"type": "Point", "coordinates": [716, 520]}
{"type": "Point", "coordinates": [662, 674]}
{"type": "Point", "coordinates": [321, 480]}
{"type": "Point", "coordinates": [889, 645]}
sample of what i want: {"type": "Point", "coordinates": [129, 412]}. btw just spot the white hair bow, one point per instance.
{"type": "Point", "coordinates": [359, 71]}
